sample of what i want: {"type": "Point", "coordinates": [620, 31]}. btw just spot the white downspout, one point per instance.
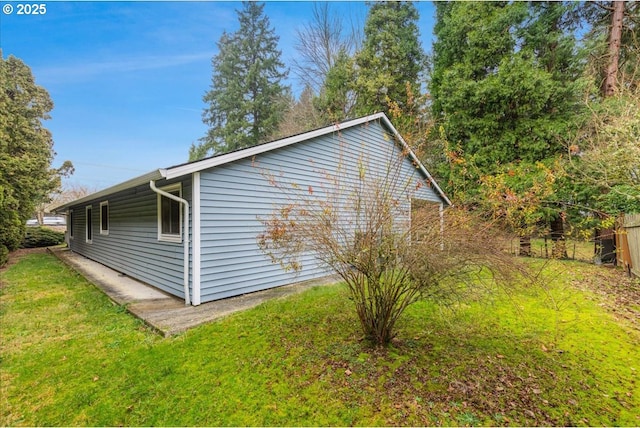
{"type": "Point", "coordinates": [185, 238]}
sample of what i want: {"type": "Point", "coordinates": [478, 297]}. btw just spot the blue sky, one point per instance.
{"type": "Point", "coordinates": [127, 78]}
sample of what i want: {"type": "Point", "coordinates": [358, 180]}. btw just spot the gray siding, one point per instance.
{"type": "Point", "coordinates": [234, 196]}
{"type": "Point", "coordinates": [132, 245]}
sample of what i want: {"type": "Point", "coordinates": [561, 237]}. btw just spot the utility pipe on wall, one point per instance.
{"type": "Point", "coordinates": [185, 238]}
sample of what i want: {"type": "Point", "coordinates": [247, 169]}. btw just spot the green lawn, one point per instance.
{"type": "Point", "coordinates": [568, 354]}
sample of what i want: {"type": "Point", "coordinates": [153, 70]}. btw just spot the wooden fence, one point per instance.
{"type": "Point", "coordinates": [629, 243]}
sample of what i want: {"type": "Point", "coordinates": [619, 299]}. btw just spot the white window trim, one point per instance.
{"type": "Point", "coordinates": [163, 236]}
{"type": "Point", "coordinates": [88, 223]}
{"type": "Point", "coordinates": [70, 224]}
{"type": "Point", "coordinates": [104, 231]}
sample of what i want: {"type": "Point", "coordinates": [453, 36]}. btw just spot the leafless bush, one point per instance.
{"type": "Point", "coordinates": [391, 248]}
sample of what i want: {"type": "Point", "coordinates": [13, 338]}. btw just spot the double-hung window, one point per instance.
{"type": "Point", "coordinates": [170, 215]}
{"type": "Point", "coordinates": [70, 224]}
{"type": "Point", "coordinates": [89, 224]}
{"type": "Point", "coordinates": [104, 218]}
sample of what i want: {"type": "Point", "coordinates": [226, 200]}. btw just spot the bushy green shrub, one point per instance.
{"type": "Point", "coordinates": [42, 237]}
{"type": "Point", "coordinates": [4, 255]}
{"type": "Point", "coordinates": [11, 230]}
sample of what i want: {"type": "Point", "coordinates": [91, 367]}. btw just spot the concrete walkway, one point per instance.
{"type": "Point", "coordinates": [165, 313]}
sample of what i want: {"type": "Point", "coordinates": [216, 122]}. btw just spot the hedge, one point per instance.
{"type": "Point", "coordinates": [42, 237]}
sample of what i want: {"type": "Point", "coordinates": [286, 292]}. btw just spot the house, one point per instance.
{"type": "Point", "coordinates": [190, 230]}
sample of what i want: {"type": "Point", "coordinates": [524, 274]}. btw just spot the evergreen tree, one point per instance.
{"type": "Point", "coordinates": [505, 82]}
{"type": "Point", "coordinates": [506, 88]}
{"type": "Point", "coordinates": [476, 93]}
{"type": "Point", "coordinates": [338, 96]}
{"type": "Point", "coordinates": [26, 151]}
{"type": "Point", "coordinates": [612, 42]}
{"type": "Point", "coordinates": [247, 98]}
{"type": "Point", "coordinates": [391, 60]}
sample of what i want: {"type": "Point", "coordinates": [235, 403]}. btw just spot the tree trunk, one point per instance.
{"type": "Point", "coordinates": [525, 246]}
{"type": "Point", "coordinates": [40, 214]}
{"type": "Point", "coordinates": [615, 35]}
{"type": "Point", "coordinates": [559, 250]}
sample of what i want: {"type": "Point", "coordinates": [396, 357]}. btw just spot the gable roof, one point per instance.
{"type": "Point", "coordinates": [217, 160]}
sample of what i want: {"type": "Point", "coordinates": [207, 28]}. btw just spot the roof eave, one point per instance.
{"type": "Point", "coordinates": [134, 182]}
{"type": "Point", "coordinates": [190, 168]}
{"type": "Point", "coordinates": [430, 179]}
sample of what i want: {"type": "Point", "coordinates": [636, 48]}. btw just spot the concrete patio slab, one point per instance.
{"type": "Point", "coordinates": [165, 313]}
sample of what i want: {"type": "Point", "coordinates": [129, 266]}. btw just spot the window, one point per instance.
{"type": "Point", "coordinates": [170, 215]}
{"type": "Point", "coordinates": [70, 226]}
{"type": "Point", "coordinates": [104, 218]}
{"type": "Point", "coordinates": [89, 237]}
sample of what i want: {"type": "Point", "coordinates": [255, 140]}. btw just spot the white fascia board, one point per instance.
{"type": "Point", "coordinates": [134, 182]}
{"type": "Point", "coordinates": [190, 168]}
{"type": "Point", "coordinates": [414, 158]}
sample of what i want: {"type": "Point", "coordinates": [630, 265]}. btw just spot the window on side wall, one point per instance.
{"type": "Point", "coordinates": [70, 225]}
{"type": "Point", "coordinates": [104, 218]}
{"type": "Point", "coordinates": [89, 226]}
{"type": "Point", "coordinates": [170, 215]}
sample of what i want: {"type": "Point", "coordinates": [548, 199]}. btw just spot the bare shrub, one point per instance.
{"type": "Point", "coordinates": [367, 224]}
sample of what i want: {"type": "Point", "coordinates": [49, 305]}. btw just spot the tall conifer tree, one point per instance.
{"type": "Point", "coordinates": [506, 88]}
{"type": "Point", "coordinates": [338, 97]}
{"type": "Point", "coordinates": [505, 81]}
{"type": "Point", "coordinates": [612, 42]}
{"type": "Point", "coordinates": [247, 97]}
{"type": "Point", "coordinates": [391, 60]}
{"type": "Point", "coordinates": [26, 151]}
